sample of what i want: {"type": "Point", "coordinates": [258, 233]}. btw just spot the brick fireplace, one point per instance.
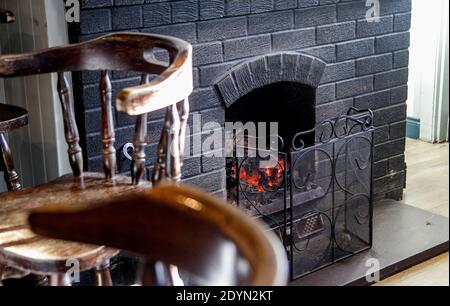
{"type": "Point", "coordinates": [336, 58]}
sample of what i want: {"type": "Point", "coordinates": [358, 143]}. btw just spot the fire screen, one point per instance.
{"type": "Point", "coordinates": [318, 199]}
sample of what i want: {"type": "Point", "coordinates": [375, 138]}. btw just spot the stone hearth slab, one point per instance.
{"type": "Point", "coordinates": [404, 236]}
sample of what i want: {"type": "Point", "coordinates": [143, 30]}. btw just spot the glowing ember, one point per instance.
{"type": "Point", "coordinates": [260, 180]}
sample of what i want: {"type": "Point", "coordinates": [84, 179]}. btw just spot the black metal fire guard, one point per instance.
{"type": "Point", "coordinates": [319, 197]}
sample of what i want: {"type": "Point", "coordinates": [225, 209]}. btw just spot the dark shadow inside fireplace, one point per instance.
{"type": "Point", "coordinates": [290, 104]}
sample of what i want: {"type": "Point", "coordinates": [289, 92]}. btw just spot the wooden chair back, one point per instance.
{"type": "Point", "coordinates": [121, 52]}
{"type": "Point", "coordinates": [214, 241]}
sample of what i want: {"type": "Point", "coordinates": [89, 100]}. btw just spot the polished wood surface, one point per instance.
{"type": "Point", "coordinates": [6, 16]}
{"type": "Point", "coordinates": [108, 133]}
{"type": "Point", "coordinates": [22, 249]}
{"type": "Point", "coordinates": [7, 166]}
{"type": "Point", "coordinates": [12, 118]}
{"type": "Point", "coordinates": [427, 188]}
{"type": "Point", "coordinates": [70, 126]}
{"type": "Point", "coordinates": [119, 52]}
{"type": "Point", "coordinates": [124, 51]}
{"type": "Point", "coordinates": [211, 239]}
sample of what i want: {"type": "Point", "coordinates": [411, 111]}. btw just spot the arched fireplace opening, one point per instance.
{"type": "Point", "coordinates": [290, 104]}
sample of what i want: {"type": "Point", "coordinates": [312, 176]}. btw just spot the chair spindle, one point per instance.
{"type": "Point", "coordinates": [108, 133]}
{"type": "Point", "coordinates": [140, 142]}
{"type": "Point", "coordinates": [7, 165]}
{"type": "Point", "coordinates": [183, 109]}
{"type": "Point", "coordinates": [70, 126]}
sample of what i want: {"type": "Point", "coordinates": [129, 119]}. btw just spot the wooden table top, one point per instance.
{"type": "Point", "coordinates": [12, 118]}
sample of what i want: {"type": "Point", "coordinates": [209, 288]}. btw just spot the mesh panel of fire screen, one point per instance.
{"type": "Point", "coordinates": [330, 204]}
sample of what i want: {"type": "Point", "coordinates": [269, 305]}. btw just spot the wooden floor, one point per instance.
{"type": "Point", "coordinates": [428, 189]}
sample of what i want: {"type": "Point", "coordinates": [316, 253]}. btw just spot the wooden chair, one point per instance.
{"type": "Point", "coordinates": [21, 248]}
{"type": "Point", "coordinates": [11, 118]}
{"type": "Point", "coordinates": [214, 241]}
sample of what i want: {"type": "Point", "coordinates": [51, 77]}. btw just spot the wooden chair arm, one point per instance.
{"type": "Point", "coordinates": [118, 52]}
{"type": "Point", "coordinates": [178, 225]}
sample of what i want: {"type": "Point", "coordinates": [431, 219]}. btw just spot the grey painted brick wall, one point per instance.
{"type": "Point", "coordinates": [367, 64]}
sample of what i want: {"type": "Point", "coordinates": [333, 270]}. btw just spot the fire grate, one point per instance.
{"type": "Point", "coordinates": [318, 199]}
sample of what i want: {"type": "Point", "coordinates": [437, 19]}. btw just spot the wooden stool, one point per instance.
{"type": "Point", "coordinates": [11, 118]}
{"type": "Point", "coordinates": [173, 83]}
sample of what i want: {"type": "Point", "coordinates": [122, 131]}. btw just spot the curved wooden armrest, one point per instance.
{"type": "Point", "coordinates": [6, 16]}
{"type": "Point", "coordinates": [180, 226]}
{"type": "Point", "coordinates": [122, 51]}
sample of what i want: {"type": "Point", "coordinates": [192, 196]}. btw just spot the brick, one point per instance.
{"type": "Point", "coordinates": [95, 21]}
{"type": "Point", "coordinates": [85, 4]}
{"type": "Point", "coordinates": [307, 3]}
{"type": "Point", "coordinates": [156, 14]}
{"type": "Point", "coordinates": [211, 9]}
{"type": "Point", "coordinates": [127, 2]}
{"type": "Point", "coordinates": [355, 49]}
{"type": "Point", "coordinates": [354, 87]}
{"type": "Point", "coordinates": [339, 71]}
{"type": "Point", "coordinates": [373, 100]}
{"type": "Point", "coordinates": [210, 74]}
{"type": "Point", "coordinates": [259, 6]}
{"type": "Point", "coordinates": [397, 130]}
{"type": "Point", "coordinates": [336, 32]}
{"type": "Point", "coordinates": [204, 98]}
{"type": "Point", "coordinates": [381, 134]}
{"type": "Point", "coordinates": [391, 78]}
{"type": "Point", "coordinates": [270, 22]}
{"type": "Point", "coordinates": [212, 163]}
{"type": "Point", "coordinates": [352, 10]}
{"type": "Point", "coordinates": [380, 169]}
{"type": "Point", "coordinates": [129, 17]}
{"type": "Point", "coordinates": [392, 42]}
{"type": "Point", "coordinates": [285, 4]}
{"type": "Point", "coordinates": [332, 110]}
{"type": "Point", "coordinates": [245, 47]}
{"type": "Point", "coordinates": [389, 182]}
{"type": "Point", "coordinates": [208, 53]}
{"type": "Point", "coordinates": [401, 59]}
{"type": "Point", "coordinates": [389, 7]}
{"type": "Point", "coordinates": [311, 17]}
{"type": "Point", "coordinates": [390, 114]}
{"type": "Point", "coordinates": [388, 149]}
{"type": "Point", "coordinates": [228, 90]}
{"type": "Point", "coordinates": [222, 28]}
{"type": "Point", "coordinates": [325, 93]}
{"type": "Point", "coordinates": [186, 31]}
{"type": "Point", "coordinates": [326, 53]}
{"type": "Point", "coordinates": [237, 7]}
{"type": "Point", "coordinates": [191, 167]}
{"type": "Point", "coordinates": [399, 94]}
{"type": "Point", "coordinates": [373, 64]}
{"type": "Point", "coordinates": [210, 182]}
{"type": "Point", "coordinates": [294, 39]}
{"type": "Point", "coordinates": [365, 28]}
{"type": "Point", "coordinates": [184, 11]}
{"type": "Point", "coordinates": [402, 22]}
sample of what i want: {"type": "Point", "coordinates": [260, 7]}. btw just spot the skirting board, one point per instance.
{"type": "Point", "coordinates": [413, 128]}
{"type": "Point", "coordinates": [404, 236]}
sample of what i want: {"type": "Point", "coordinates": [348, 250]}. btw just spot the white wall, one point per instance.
{"type": "Point", "coordinates": [427, 89]}
{"type": "Point", "coordinates": [38, 149]}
